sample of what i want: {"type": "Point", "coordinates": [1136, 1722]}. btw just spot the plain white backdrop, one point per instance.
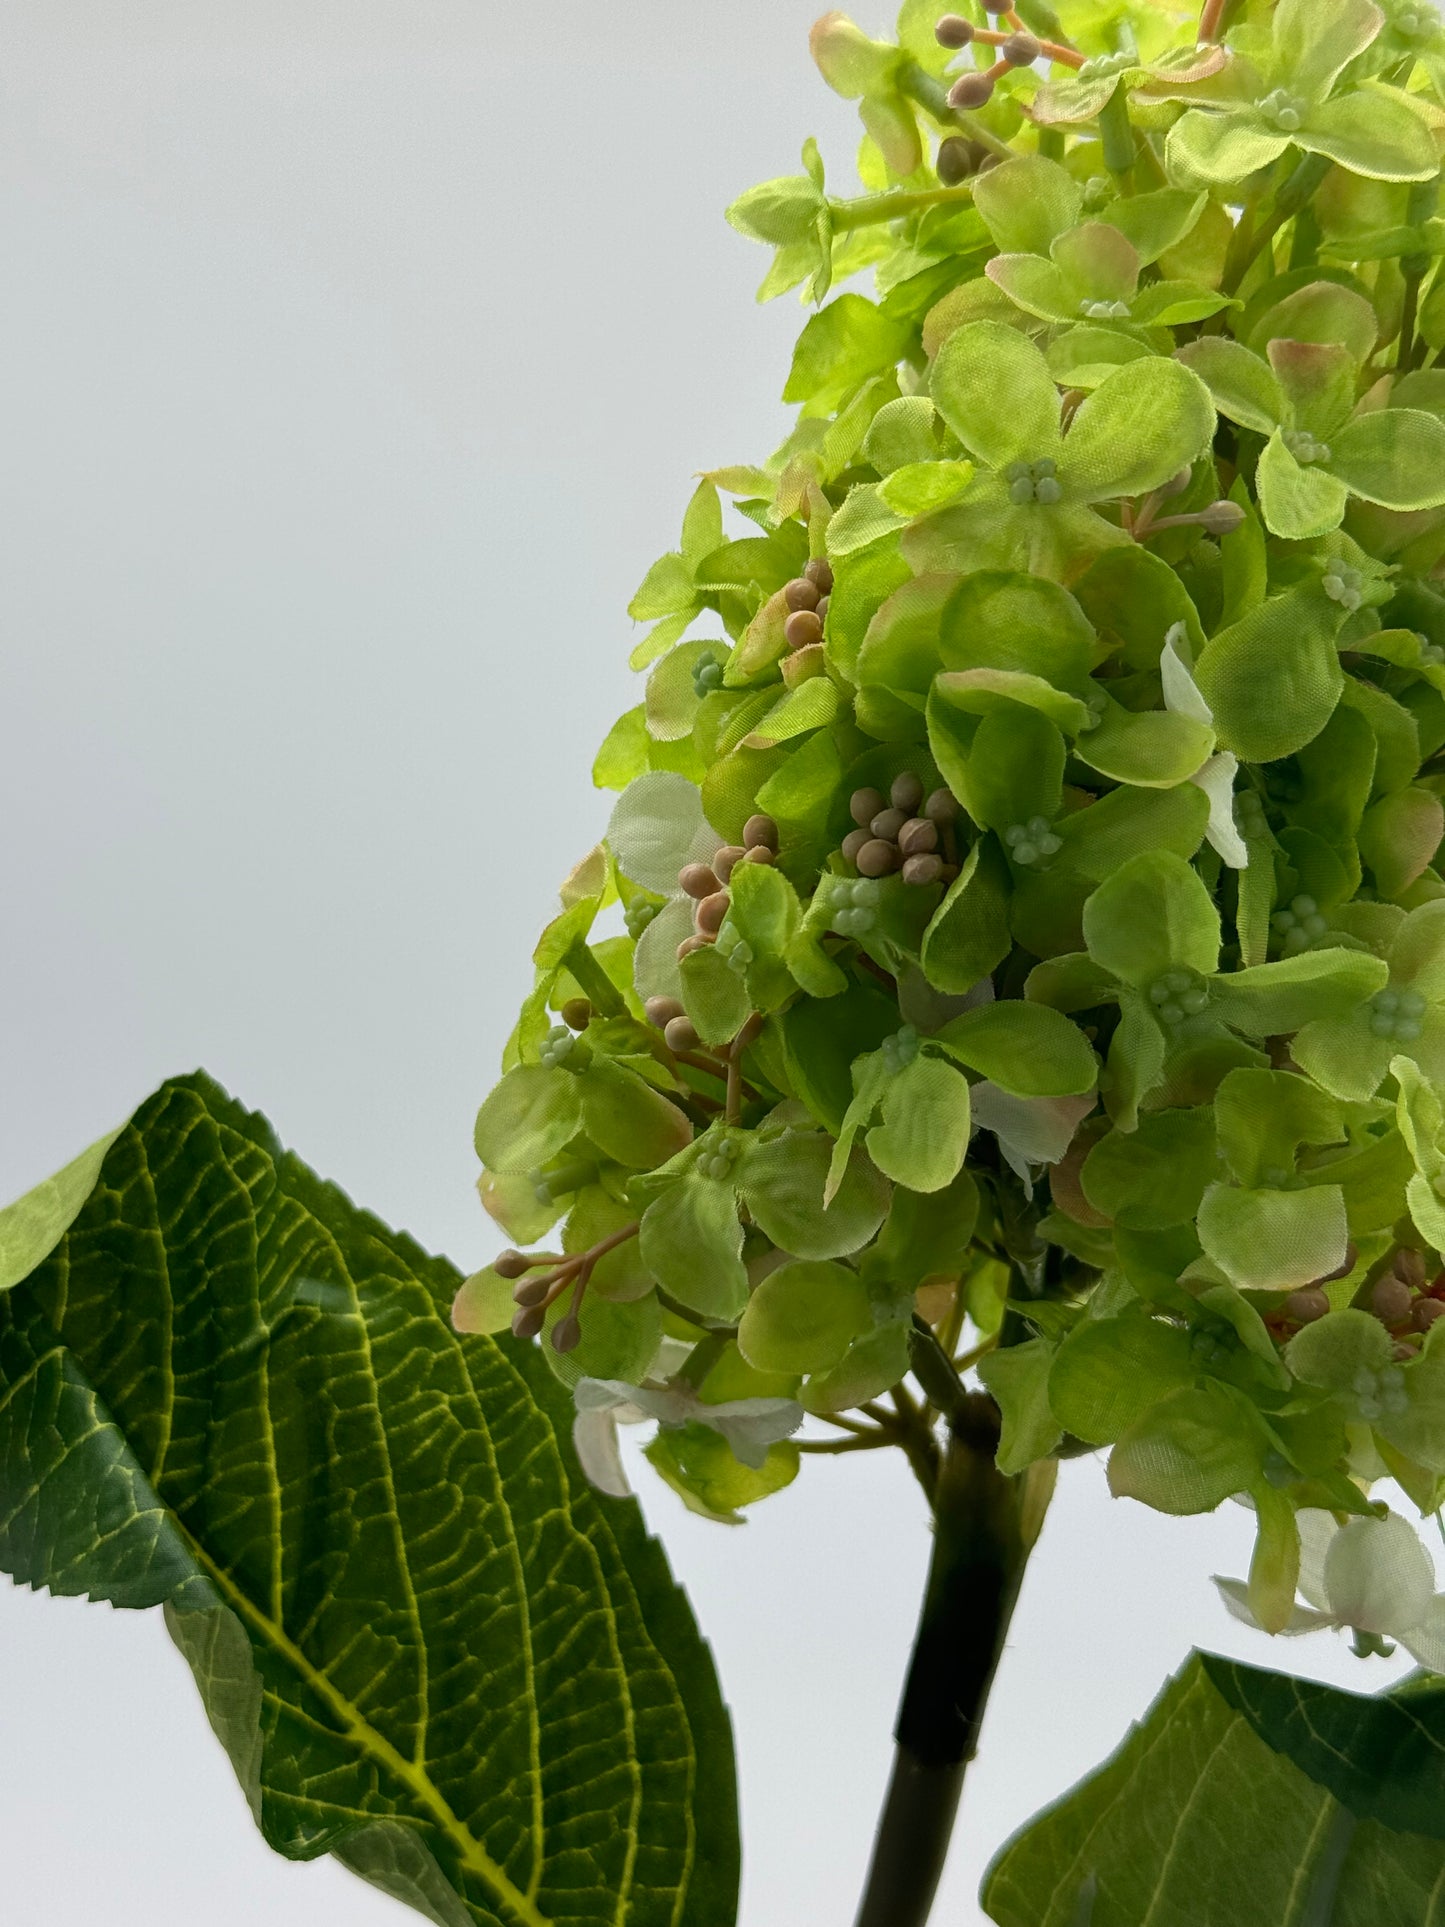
{"type": "Point", "coordinates": [355, 359]}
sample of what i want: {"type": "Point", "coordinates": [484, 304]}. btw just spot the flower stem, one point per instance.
{"type": "Point", "coordinates": [893, 205]}
{"type": "Point", "coordinates": [985, 1524]}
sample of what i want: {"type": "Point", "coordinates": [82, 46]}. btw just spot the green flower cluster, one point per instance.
{"type": "Point", "coordinates": [1114, 516]}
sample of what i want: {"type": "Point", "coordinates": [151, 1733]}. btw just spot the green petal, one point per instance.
{"type": "Point", "coordinates": [1371, 134]}
{"type": "Point", "coordinates": [1192, 1452]}
{"type": "Point", "coordinates": [1243, 385]}
{"type": "Point", "coordinates": [1272, 999]}
{"type": "Point", "coordinates": [1318, 379]}
{"type": "Point", "coordinates": [1274, 1240]}
{"type": "Point", "coordinates": [1296, 502]}
{"type": "Point", "coordinates": [803, 1317]}
{"type": "Point", "coordinates": [1153, 914]}
{"type": "Point", "coordinates": [1155, 223]}
{"type": "Point", "coordinates": [1221, 148]}
{"type": "Point", "coordinates": [1343, 1055]}
{"type": "Point", "coordinates": [1026, 1049]}
{"type": "Point", "coordinates": [1026, 202]}
{"type": "Point", "coordinates": [1035, 285]}
{"type": "Point", "coordinates": [1273, 678]}
{"type": "Point", "coordinates": [1153, 1177]}
{"type": "Point", "coordinates": [1099, 261]}
{"type": "Point", "coordinates": [1152, 748]}
{"type": "Point", "coordinates": [1136, 431]}
{"type": "Point", "coordinates": [922, 1137]}
{"type": "Point", "coordinates": [993, 388]}
{"type": "Point", "coordinates": [692, 1243]}
{"type": "Point", "coordinates": [1110, 1371]}
{"type": "Point", "coordinates": [1393, 456]}
{"type": "Point", "coordinates": [1315, 40]}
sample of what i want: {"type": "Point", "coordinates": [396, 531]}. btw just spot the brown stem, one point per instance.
{"type": "Point", "coordinates": [735, 1067]}
{"type": "Point", "coordinates": [1210, 18]}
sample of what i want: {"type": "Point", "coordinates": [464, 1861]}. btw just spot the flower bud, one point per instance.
{"type": "Point", "coordinates": [864, 805]}
{"type": "Point", "coordinates": [711, 911]}
{"type": "Point", "coordinates": [577, 1013]}
{"type": "Point", "coordinates": [923, 869]}
{"type": "Point", "coordinates": [958, 159]}
{"type": "Point", "coordinates": [887, 824]}
{"type": "Point", "coordinates": [567, 1333]}
{"type": "Point", "coordinates": [953, 31]}
{"type": "Point", "coordinates": [533, 1291]}
{"type": "Point", "coordinates": [823, 609]}
{"type": "Point", "coordinates": [528, 1321]}
{"type": "Point", "coordinates": [511, 1264]}
{"type": "Point", "coordinates": [971, 90]}
{"type": "Point", "coordinates": [802, 628]}
{"type": "Point", "coordinates": [1221, 518]}
{"type": "Point", "coordinates": [918, 837]}
{"type": "Point", "coordinates": [941, 807]}
{"type": "Point", "coordinates": [1391, 1300]}
{"type": "Point", "coordinates": [906, 793]}
{"type": "Point", "coordinates": [1177, 484]}
{"type": "Point", "coordinates": [695, 942]}
{"type": "Point", "coordinates": [724, 861]}
{"type": "Point", "coordinates": [877, 858]}
{"type": "Point", "coordinates": [760, 832]}
{"type": "Point", "coordinates": [759, 853]}
{"type": "Point", "coordinates": [1425, 1313]}
{"type": "Point", "coordinates": [697, 880]}
{"type": "Point", "coordinates": [820, 571]}
{"type": "Point", "coordinates": [800, 593]}
{"type": "Point", "coordinates": [1306, 1305]}
{"type": "Point", "coordinates": [1020, 50]}
{"type": "Point", "coordinates": [1409, 1266]}
{"type": "Point", "coordinates": [680, 1033]}
{"type": "Point", "coordinates": [854, 841]}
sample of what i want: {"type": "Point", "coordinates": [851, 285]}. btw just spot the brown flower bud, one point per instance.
{"type": "Point", "coordinates": [1177, 484]}
{"type": "Point", "coordinates": [533, 1291]}
{"type": "Point", "coordinates": [957, 160]}
{"type": "Point", "coordinates": [697, 880]}
{"type": "Point", "coordinates": [941, 807]}
{"type": "Point", "coordinates": [711, 911]}
{"type": "Point", "coordinates": [725, 859]}
{"type": "Point", "coordinates": [800, 593]}
{"type": "Point", "coordinates": [528, 1321]}
{"type": "Point", "coordinates": [680, 1034]}
{"type": "Point", "coordinates": [821, 572]}
{"type": "Point", "coordinates": [971, 90]}
{"type": "Point", "coordinates": [953, 31]}
{"type": "Point", "coordinates": [864, 805]}
{"type": "Point", "coordinates": [1221, 518]}
{"type": "Point", "coordinates": [854, 841]}
{"type": "Point", "coordinates": [511, 1264]}
{"type": "Point", "coordinates": [876, 858]}
{"type": "Point", "coordinates": [760, 832]}
{"type": "Point", "coordinates": [1425, 1314]}
{"type": "Point", "coordinates": [923, 869]}
{"type": "Point", "coordinates": [1306, 1305]}
{"type": "Point", "coordinates": [1020, 50]}
{"type": "Point", "coordinates": [567, 1333]}
{"type": "Point", "coordinates": [801, 628]}
{"type": "Point", "coordinates": [1391, 1300]}
{"type": "Point", "coordinates": [906, 793]}
{"type": "Point", "coordinates": [697, 941]}
{"type": "Point", "coordinates": [887, 824]}
{"type": "Point", "coordinates": [1409, 1267]}
{"type": "Point", "coordinates": [660, 1011]}
{"type": "Point", "coordinates": [823, 608]}
{"type": "Point", "coordinates": [759, 853]}
{"type": "Point", "coordinates": [576, 1013]}
{"type": "Point", "coordinates": [917, 837]}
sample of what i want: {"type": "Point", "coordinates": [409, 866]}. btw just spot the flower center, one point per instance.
{"type": "Point", "coordinates": [1283, 111]}
{"type": "Point", "coordinates": [1032, 843]}
{"type": "Point", "coordinates": [900, 1050]}
{"type": "Point", "coordinates": [1299, 926]}
{"type": "Point", "coordinates": [1397, 1014]}
{"type": "Point", "coordinates": [1343, 585]}
{"type": "Point", "coordinates": [1102, 66]}
{"type": "Point", "coordinates": [1305, 449]}
{"type": "Point", "coordinates": [1032, 482]}
{"type": "Point", "coordinates": [1178, 994]}
{"type": "Point", "coordinates": [1105, 310]}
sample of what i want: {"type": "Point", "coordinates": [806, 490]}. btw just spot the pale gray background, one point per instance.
{"type": "Point", "coordinates": [354, 361]}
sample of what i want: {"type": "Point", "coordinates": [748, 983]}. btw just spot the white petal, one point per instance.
{"type": "Point", "coordinates": [599, 1394]}
{"type": "Point", "coordinates": [1030, 1130]}
{"type": "Point", "coordinates": [1216, 779]}
{"type": "Point", "coordinates": [1426, 1642]}
{"type": "Point", "coordinates": [1235, 1594]}
{"type": "Point", "coordinates": [1378, 1576]}
{"type": "Point", "coordinates": [594, 1434]}
{"type": "Point", "coordinates": [1317, 1531]}
{"type": "Point", "coordinates": [654, 962]}
{"type": "Point", "coordinates": [1182, 693]}
{"type": "Point", "coordinates": [751, 1425]}
{"type": "Point", "coordinates": [656, 827]}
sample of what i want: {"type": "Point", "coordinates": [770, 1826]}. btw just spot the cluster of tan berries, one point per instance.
{"type": "Point", "coordinates": [1404, 1299]}
{"type": "Point", "coordinates": [806, 597]}
{"type": "Point", "coordinates": [1016, 49]}
{"type": "Point", "coordinates": [904, 831]}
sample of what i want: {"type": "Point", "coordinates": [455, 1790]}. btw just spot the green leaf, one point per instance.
{"type": "Point", "coordinates": [1297, 502]}
{"type": "Point", "coordinates": [221, 1335]}
{"type": "Point", "coordinates": [699, 1465]}
{"type": "Point", "coordinates": [1153, 1177]}
{"type": "Point", "coordinates": [1374, 134]}
{"type": "Point", "coordinates": [627, 1119]}
{"type": "Point", "coordinates": [1027, 202]}
{"type": "Point", "coordinates": [1110, 1371]}
{"type": "Point", "coordinates": [803, 1317]}
{"type": "Point", "coordinates": [1037, 286]}
{"type": "Point", "coordinates": [1274, 1240]}
{"type": "Point", "coordinates": [692, 1243]}
{"type": "Point", "coordinates": [623, 754]}
{"type": "Point", "coordinates": [33, 1226]}
{"type": "Point", "coordinates": [1155, 223]}
{"type": "Point", "coordinates": [927, 1234]}
{"type": "Point", "coordinates": [969, 934]}
{"type": "Point", "coordinates": [1191, 1452]}
{"type": "Point", "coordinates": [1024, 1048]}
{"type": "Point", "coordinates": [1273, 677]}
{"type": "Point", "coordinates": [531, 1115]}
{"type": "Point", "coordinates": [841, 347]}
{"type": "Point", "coordinates": [1150, 748]}
{"type": "Point", "coordinates": [666, 590]}
{"type": "Point", "coordinates": [1151, 915]}
{"type": "Point", "coordinates": [1004, 619]}
{"type": "Point", "coordinates": [1141, 1838]}
{"type": "Point", "coordinates": [1264, 1117]}
{"type": "Point", "coordinates": [1136, 431]}
{"type": "Point", "coordinates": [921, 487]}
{"type": "Point", "coordinates": [922, 1136]}
{"type": "Point", "coordinates": [782, 1183]}
{"type": "Point", "coordinates": [714, 995]}
{"type": "Point", "coordinates": [993, 388]}
{"type": "Point", "coordinates": [1314, 42]}
{"type": "Point", "coordinates": [1394, 456]}
{"type": "Point", "coordinates": [779, 212]}
{"type": "Point", "coordinates": [1019, 1381]}
{"type": "Point", "coordinates": [1220, 148]}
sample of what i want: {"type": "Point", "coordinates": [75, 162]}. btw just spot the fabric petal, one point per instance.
{"type": "Point", "coordinates": [1378, 1576]}
{"type": "Point", "coordinates": [1216, 779]}
{"type": "Point", "coordinates": [594, 1434]}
